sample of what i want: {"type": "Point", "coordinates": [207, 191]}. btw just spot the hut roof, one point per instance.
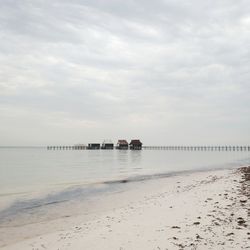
{"type": "Point", "coordinates": [135, 142]}
{"type": "Point", "coordinates": [122, 142]}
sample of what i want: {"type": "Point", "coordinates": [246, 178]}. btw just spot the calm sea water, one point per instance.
{"type": "Point", "coordinates": [28, 169]}
{"type": "Point", "coordinates": [33, 178]}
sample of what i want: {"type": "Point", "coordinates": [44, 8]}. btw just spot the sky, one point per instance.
{"type": "Point", "coordinates": [169, 72]}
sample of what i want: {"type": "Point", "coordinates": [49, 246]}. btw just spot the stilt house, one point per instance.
{"type": "Point", "coordinates": [94, 146]}
{"type": "Point", "coordinates": [135, 145]}
{"type": "Point", "coordinates": [107, 145]}
{"type": "Point", "coordinates": [122, 144]}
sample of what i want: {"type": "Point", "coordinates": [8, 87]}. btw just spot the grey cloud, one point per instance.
{"type": "Point", "coordinates": [114, 63]}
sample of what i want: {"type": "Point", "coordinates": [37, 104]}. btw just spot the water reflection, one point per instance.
{"type": "Point", "coordinates": [135, 159]}
{"type": "Point", "coordinates": [122, 157]}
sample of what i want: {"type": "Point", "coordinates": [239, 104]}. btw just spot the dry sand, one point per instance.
{"type": "Point", "coordinates": [205, 210]}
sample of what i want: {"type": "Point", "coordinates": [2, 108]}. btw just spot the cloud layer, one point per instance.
{"type": "Point", "coordinates": [168, 72]}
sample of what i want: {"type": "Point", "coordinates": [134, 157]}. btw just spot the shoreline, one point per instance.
{"type": "Point", "coordinates": [164, 213]}
{"type": "Point", "coordinates": [21, 200]}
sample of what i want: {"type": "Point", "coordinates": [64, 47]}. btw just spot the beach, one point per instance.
{"type": "Point", "coordinates": [124, 125]}
{"type": "Point", "coordinates": [196, 210]}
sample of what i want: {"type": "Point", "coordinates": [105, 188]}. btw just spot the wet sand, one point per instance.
{"type": "Point", "coordinates": [202, 210]}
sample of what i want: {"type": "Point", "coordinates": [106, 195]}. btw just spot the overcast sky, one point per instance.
{"type": "Point", "coordinates": [165, 71]}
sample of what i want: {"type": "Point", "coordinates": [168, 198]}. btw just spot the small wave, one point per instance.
{"type": "Point", "coordinates": [145, 177]}
{"type": "Point", "coordinates": [44, 204]}
{"type": "Point", "coordinates": [83, 192]}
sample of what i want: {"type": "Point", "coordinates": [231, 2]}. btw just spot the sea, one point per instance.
{"type": "Point", "coordinates": [32, 177]}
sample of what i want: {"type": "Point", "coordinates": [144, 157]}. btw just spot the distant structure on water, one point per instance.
{"type": "Point", "coordinates": [94, 146]}
{"type": "Point", "coordinates": [75, 147]}
{"type": "Point", "coordinates": [122, 144]}
{"type": "Point", "coordinates": [107, 144]}
{"type": "Point", "coordinates": [135, 144]}
{"type": "Point", "coordinates": [79, 147]}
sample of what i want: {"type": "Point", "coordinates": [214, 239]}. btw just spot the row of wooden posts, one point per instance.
{"type": "Point", "coordinates": [199, 148]}
{"type": "Point", "coordinates": [66, 147]}
{"type": "Point", "coordinates": [175, 148]}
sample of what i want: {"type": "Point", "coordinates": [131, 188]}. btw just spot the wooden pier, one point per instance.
{"type": "Point", "coordinates": [198, 148]}
{"type": "Point", "coordinates": [170, 148]}
{"type": "Point", "coordinates": [75, 147]}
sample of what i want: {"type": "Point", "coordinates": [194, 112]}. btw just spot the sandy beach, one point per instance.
{"type": "Point", "coordinates": [201, 210]}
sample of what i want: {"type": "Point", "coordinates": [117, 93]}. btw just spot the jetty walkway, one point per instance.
{"type": "Point", "coordinates": [199, 148]}
{"type": "Point", "coordinates": [172, 148]}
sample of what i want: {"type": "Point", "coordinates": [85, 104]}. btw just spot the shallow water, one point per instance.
{"type": "Point", "coordinates": [36, 183]}
{"type": "Point", "coordinates": [34, 169]}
